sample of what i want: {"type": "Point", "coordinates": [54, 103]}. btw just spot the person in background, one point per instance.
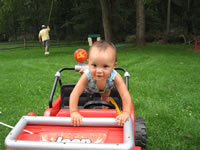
{"type": "Point", "coordinates": [100, 77]}
{"type": "Point", "coordinates": [45, 38]}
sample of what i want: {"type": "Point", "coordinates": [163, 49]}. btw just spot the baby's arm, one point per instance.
{"type": "Point", "coordinates": [126, 99]}
{"type": "Point", "coordinates": [76, 118]}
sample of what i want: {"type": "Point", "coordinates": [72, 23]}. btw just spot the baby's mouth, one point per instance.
{"type": "Point", "coordinates": [99, 76]}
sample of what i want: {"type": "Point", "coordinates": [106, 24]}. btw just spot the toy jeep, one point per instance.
{"type": "Point", "coordinates": [98, 131]}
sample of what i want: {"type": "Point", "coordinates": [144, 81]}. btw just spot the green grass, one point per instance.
{"type": "Point", "coordinates": [164, 85]}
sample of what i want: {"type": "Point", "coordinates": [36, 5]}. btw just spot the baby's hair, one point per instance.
{"type": "Point", "coordinates": [103, 45]}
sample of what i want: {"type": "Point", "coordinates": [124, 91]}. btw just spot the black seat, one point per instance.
{"type": "Point", "coordinates": [66, 90]}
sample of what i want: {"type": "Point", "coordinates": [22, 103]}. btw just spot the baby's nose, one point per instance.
{"type": "Point", "coordinates": [99, 69]}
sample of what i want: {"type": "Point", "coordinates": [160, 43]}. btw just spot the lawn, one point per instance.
{"type": "Point", "coordinates": [164, 86]}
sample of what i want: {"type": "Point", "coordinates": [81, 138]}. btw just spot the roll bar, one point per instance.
{"type": "Point", "coordinates": [77, 68]}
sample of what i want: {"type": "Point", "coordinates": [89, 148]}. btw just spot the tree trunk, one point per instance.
{"type": "Point", "coordinates": [106, 20]}
{"type": "Point", "coordinates": [140, 23]}
{"type": "Point", "coordinates": [168, 15]}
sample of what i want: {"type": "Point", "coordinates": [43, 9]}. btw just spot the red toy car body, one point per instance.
{"type": "Point", "coordinates": [98, 131]}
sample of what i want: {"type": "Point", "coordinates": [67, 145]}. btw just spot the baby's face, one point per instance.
{"type": "Point", "coordinates": [101, 63]}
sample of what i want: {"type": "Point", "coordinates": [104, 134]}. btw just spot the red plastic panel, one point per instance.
{"type": "Point", "coordinates": [70, 134]}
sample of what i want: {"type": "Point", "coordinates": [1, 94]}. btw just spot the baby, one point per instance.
{"type": "Point", "coordinates": [100, 77]}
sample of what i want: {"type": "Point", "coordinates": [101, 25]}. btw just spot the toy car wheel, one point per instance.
{"type": "Point", "coordinates": [140, 133]}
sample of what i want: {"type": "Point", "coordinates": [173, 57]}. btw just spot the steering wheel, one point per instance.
{"type": "Point", "coordinates": [97, 104]}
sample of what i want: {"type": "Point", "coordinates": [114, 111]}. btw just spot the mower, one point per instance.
{"type": "Point", "coordinates": [98, 130]}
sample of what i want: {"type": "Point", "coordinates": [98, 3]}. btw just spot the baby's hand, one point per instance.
{"type": "Point", "coordinates": [121, 119]}
{"type": "Point", "coordinates": [76, 118]}
{"type": "Point", "coordinates": [83, 69]}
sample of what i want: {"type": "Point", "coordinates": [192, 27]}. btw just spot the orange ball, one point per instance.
{"type": "Point", "coordinates": [80, 55]}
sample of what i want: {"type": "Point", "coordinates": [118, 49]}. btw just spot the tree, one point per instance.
{"type": "Point", "coordinates": [106, 20]}
{"type": "Point", "coordinates": [140, 23]}
{"type": "Point", "coordinates": [168, 15]}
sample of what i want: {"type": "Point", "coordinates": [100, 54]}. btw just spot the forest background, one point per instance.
{"type": "Point", "coordinates": [115, 20]}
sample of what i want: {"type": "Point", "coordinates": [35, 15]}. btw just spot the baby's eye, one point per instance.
{"type": "Point", "coordinates": [94, 65]}
{"type": "Point", "coordinates": [105, 66]}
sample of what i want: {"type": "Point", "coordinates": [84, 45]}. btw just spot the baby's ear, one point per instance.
{"type": "Point", "coordinates": [115, 64]}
